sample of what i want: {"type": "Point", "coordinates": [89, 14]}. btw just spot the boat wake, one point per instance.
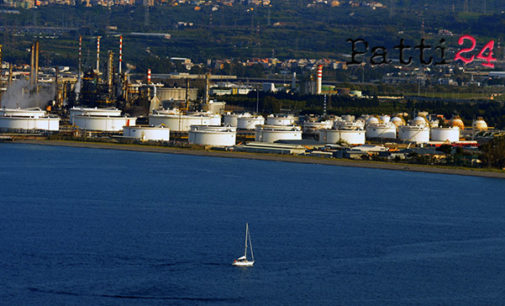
{"type": "Point", "coordinates": [32, 289]}
{"type": "Point", "coordinates": [138, 297]}
{"type": "Point", "coordinates": [220, 264]}
{"type": "Point", "coordinates": [171, 264]}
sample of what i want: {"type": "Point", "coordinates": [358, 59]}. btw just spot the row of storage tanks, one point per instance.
{"type": "Point", "coordinates": [419, 130]}
{"type": "Point", "coordinates": [28, 119]}
{"type": "Point", "coordinates": [347, 129]}
{"type": "Point", "coordinates": [205, 128]}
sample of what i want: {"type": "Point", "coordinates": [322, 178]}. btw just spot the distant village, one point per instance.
{"type": "Point", "coordinates": [152, 3]}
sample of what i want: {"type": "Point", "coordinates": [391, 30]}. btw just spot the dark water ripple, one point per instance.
{"type": "Point", "coordinates": [138, 297]}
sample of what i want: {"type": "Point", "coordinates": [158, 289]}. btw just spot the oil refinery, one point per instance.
{"type": "Point", "coordinates": [106, 101]}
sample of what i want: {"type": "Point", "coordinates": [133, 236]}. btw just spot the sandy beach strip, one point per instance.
{"type": "Point", "coordinates": [275, 157]}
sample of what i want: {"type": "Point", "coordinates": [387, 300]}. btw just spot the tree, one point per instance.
{"type": "Point", "coordinates": [493, 152]}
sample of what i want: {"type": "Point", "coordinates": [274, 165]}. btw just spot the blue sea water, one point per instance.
{"type": "Point", "coordinates": [102, 227]}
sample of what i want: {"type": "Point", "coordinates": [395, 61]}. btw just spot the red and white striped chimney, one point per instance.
{"type": "Point", "coordinates": [148, 76]}
{"type": "Point", "coordinates": [98, 54]}
{"type": "Point", "coordinates": [319, 83]}
{"type": "Point", "coordinates": [120, 53]}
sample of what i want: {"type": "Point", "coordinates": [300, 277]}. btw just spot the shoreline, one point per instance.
{"type": "Point", "coordinates": [272, 157]}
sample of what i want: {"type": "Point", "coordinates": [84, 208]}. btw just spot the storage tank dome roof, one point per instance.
{"type": "Point", "coordinates": [480, 124]}
{"type": "Point", "coordinates": [420, 121]}
{"type": "Point", "coordinates": [456, 121]}
{"type": "Point", "coordinates": [372, 120]}
{"type": "Point", "coordinates": [398, 121]}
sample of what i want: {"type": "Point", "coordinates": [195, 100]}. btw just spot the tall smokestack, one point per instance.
{"type": "Point", "coordinates": [207, 88]}
{"type": "Point", "coordinates": [80, 55]}
{"type": "Point", "coordinates": [32, 65]}
{"type": "Point", "coordinates": [319, 83]}
{"type": "Point", "coordinates": [120, 53]}
{"type": "Point", "coordinates": [187, 94]}
{"type": "Point", "coordinates": [98, 54]}
{"type": "Point", "coordinates": [58, 94]}
{"type": "Point", "coordinates": [110, 74]}
{"type": "Point", "coordinates": [10, 73]}
{"type": "Point", "coordinates": [37, 64]}
{"type": "Point", "coordinates": [0, 59]}
{"type": "Point", "coordinates": [148, 76]}
{"type": "Point", "coordinates": [124, 85]}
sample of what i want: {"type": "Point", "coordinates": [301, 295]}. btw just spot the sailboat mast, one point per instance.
{"type": "Point", "coordinates": [246, 231]}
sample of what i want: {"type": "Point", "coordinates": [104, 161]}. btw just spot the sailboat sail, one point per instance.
{"type": "Point", "coordinates": [246, 234]}
{"type": "Point", "coordinates": [250, 245]}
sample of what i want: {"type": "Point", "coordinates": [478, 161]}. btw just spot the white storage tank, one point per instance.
{"type": "Point", "coordinates": [414, 133]}
{"type": "Point", "coordinates": [28, 119]}
{"type": "Point", "coordinates": [101, 123]}
{"type": "Point", "coordinates": [360, 122]}
{"type": "Point", "coordinates": [349, 136]}
{"type": "Point", "coordinates": [22, 112]}
{"type": "Point", "coordinates": [348, 125]}
{"type": "Point", "coordinates": [230, 119]}
{"type": "Point", "coordinates": [147, 133]}
{"type": "Point", "coordinates": [214, 119]}
{"type": "Point", "coordinates": [182, 123]}
{"type": "Point", "coordinates": [93, 111]}
{"type": "Point", "coordinates": [280, 120]}
{"type": "Point", "coordinates": [272, 133]}
{"type": "Point", "coordinates": [385, 119]}
{"type": "Point", "coordinates": [450, 134]}
{"type": "Point", "coordinates": [170, 111]}
{"type": "Point", "coordinates": [311, 127]}
{"type": "Point", "coordinates": [213, 135]}
{"type": "Point", "coordinates": [249, 122]}
{"type": "Point", "coordinates": [27, 123]}
{"type": "Point", "coordinates": [381, 130]}
{"type": "Point", "coordinates": [479, 125]}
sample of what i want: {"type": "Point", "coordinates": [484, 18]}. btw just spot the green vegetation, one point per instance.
{"type": "Point", "coordinates": [287, 30]}
{"type": "Point", "coordinates": [494, 153]}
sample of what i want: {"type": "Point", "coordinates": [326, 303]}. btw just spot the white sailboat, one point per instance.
{"type": "Point", "coordinates": [243, 261]}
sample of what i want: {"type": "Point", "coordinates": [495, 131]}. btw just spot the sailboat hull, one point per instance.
{"type": "Point", "coordinates": [243, 263]}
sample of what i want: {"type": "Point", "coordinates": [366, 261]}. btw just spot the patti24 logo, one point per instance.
{"type": "Point", "coordinates": [379, 55]}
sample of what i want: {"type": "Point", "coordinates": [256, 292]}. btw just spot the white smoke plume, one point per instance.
{"type": "Point", "coordinates": [77, 88]}
{"type": "Point", "coordinates": [21, 94]}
